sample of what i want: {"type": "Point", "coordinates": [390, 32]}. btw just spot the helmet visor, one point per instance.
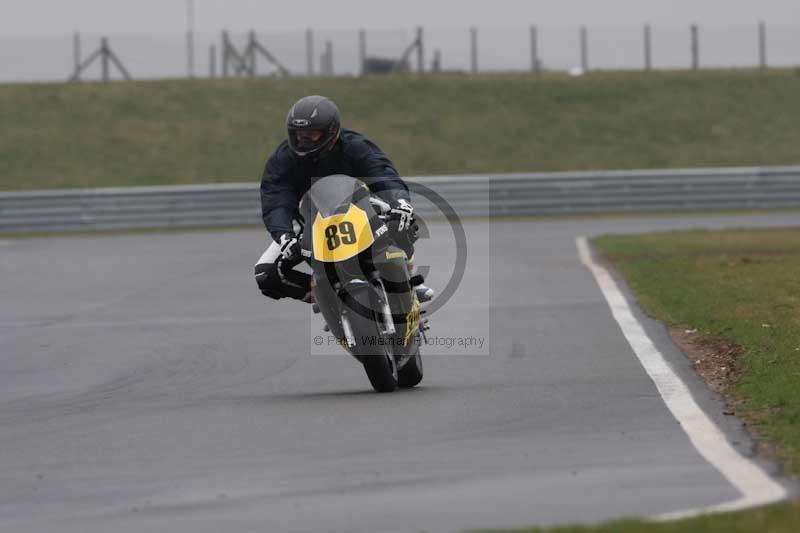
{"type": "Point", "coordinates": [307, 141]}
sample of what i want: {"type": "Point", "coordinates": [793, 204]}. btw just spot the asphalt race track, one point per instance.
{"type": "Point", "coordinates": [146, 385]}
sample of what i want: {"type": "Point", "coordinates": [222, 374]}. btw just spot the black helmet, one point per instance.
{"type": "Point", "coordinates": [313, 114]}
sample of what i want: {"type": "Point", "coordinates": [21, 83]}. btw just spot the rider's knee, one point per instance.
{"type": "Point", "coordinates": [405, 242]}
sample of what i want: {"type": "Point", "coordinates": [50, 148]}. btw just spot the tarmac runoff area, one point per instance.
{"type": "Point", "coordinates": [146, 385]}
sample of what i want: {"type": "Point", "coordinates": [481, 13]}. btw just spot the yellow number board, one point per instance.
{"type": "Point", "coordinates": [340, 237]}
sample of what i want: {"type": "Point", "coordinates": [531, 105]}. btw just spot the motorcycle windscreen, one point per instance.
{"type": "Point", "coordinates": [339, 219]}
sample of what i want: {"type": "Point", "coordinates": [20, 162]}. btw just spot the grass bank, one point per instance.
{"type": "Point", "coordinates": [780, 518]}
{"type": "Point", "coordinates": [157, 132]}
{"type": "Point", "coordinates": [734, 289]}
{"type": "Point", "coordinates": [734, 298]}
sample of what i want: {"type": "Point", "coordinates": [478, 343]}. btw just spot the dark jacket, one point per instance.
{"type": "Point", "coordinates": [287, 177]}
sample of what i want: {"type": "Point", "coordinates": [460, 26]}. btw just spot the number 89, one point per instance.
{"type": "Point", "coordinates": [347, 231]}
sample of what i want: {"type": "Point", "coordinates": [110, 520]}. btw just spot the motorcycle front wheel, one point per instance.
{"type": "Point", "coordinates": [374, 351]}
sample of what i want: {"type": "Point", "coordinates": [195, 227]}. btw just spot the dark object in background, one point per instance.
{"type": "Point", "coordinates": [384, 65]}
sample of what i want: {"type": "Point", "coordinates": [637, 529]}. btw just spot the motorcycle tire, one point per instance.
{"type": "Point", "coordinates": [411, 373]}
{"type": "Point", "coordinates": [377, 358]}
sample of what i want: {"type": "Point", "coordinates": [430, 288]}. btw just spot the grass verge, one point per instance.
{"type": "Point", "coordinates": [206, 131]}
{"type": "Point", "coordinates": [732, 296]}
{"type": "Point", "coordinates": [731, 288]}
{"type": "Point", "coordinates": [779, 518]}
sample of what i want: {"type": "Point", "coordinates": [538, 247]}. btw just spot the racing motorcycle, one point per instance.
{"type": "Point", "coordinates": [361, 280]}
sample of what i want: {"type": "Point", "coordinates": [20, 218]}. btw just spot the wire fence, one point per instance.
{"type": "Point", "coordinates": [342, 52]}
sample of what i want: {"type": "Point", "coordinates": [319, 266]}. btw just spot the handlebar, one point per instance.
{"type": "Point", "coordinates": [390, 216]}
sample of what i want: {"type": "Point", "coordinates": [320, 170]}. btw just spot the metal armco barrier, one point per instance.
{"type": "Point", "coordinates": [469, 196]}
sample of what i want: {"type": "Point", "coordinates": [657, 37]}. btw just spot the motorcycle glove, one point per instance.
{"type": "Point", "coordinates": [290, 246]}
{"type": "Point", "coordinates": [404, 212]}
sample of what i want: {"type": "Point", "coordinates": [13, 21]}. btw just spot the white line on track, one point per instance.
{"type": "Point", "coordinates": [755, 485]}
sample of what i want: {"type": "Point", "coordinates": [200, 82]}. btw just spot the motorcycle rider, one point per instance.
{"type": "Point", "coordinates": [317, 146]}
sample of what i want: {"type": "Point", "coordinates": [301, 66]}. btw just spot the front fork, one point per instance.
{"type": "Point", "coordinates": [382, 307]}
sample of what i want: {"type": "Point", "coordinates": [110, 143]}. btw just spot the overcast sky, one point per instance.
{"type": "Point", "coordinates": [56, 17]}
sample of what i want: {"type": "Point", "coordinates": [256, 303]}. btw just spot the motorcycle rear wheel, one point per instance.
{"type": "Point", "coordinates": [411, 373]}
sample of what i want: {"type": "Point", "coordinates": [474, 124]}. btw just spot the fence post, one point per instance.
{"type": "Point", "coordinates": [106, 57]}
{"type": "Point", "coordinates": [310, 52]}
{"type": "Point", "coordinates": [190, 38]}
{"type": "Point", "coordinates": [762, 45]}
{"type": "Point", "coordinates": [212, 62]}
{"type": "Point", "coordinates": [104, 53]}
{"type": "Point", "coordinates": [473, 34]}
{"type": "Point", "coordinates": [648, 49]}
{"type": "Point", "coordinates": [225, 54]}
{"type": "Point", "coordinates": [250, 53]}
{"type": "Point", "coordinates": [76, 53]}
{"type": "Point", "coordinates": [695, 47]}
{"type": "Point", "coordinates": [584, 49]}
{"type": "Point", "coordinates": [329, 58]}
{"type": "Point", "coordinates": [362, 50]}
{"type": "Point", "coordinates": [420, 51]}
{"type": "Point", "coordinates": [535, 64]}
